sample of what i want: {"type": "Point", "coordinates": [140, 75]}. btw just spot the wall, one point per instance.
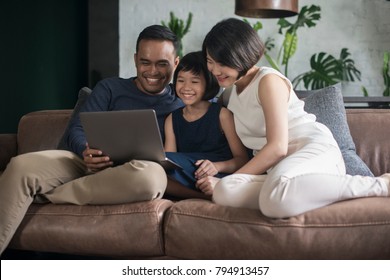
{"type": "Point", "coordinates": [362, 26]}
{"type": "Point", "coordinates": [43, 57]}
{"type": "Point", "coordinates": [103, 40]}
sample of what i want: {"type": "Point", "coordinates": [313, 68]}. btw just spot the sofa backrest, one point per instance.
{"type": "Point", "coordinates": [370, 132]}
{"type": "Point", "coordinates": [41, 130]}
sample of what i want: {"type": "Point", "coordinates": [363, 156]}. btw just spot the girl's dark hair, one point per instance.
{"type": "Point", "coordinates": [234, 43]}
{"type": "Point", "coordinates": [195, 63]}
{"type": "Point", "coordinates": [158, 32]}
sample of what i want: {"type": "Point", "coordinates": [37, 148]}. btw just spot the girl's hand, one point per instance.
{"type": "Point", "coordinates": [207, 184]}
{"type": "Point", "coordinates": [94, 159]}
{"type": "Point", "coordinates": [206, 168]}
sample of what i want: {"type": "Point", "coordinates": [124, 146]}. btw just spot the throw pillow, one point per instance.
{"type": "Point", "coordinates": [82, 97]}
{"type": "Point", "coordinates": [328, 106]}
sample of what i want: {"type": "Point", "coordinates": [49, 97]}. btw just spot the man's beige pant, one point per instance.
{"type": "Point", "coordinates": [59, 177]}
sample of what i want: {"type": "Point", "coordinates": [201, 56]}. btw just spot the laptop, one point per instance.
{"type": "Point", "coordinates": [126, 135]}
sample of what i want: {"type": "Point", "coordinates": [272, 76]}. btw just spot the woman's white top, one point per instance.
{"type": "Point", "coordinates": [249, 115]}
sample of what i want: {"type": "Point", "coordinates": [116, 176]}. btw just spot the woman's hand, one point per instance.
{"type": "Point", "coordinates": [207, 184]}
{"type": "Point", "coordinates": [205, 168]}
{"type": "Point", "coordinates": [94, 159]}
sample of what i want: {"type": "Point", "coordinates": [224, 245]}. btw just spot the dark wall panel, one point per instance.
{"type": "Point", "coordinates": [44, 56]}
{"type": "Point", "coordinates": [103, 42]}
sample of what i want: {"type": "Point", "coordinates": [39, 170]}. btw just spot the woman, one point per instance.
{"type": "Point", "coordinates": [297, 164]}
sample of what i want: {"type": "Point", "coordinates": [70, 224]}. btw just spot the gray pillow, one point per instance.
{"type": "Point", "coordinates": [328, 106]}
{"type": "Point", "coordinates": [82, 97]}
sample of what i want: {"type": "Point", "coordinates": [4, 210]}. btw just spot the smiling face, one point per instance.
{"type": "Point", "coordinates": [190, 87]}
{"type": "Point", "coordinates": [226, 76]}
{"type": "Point", "coordinates": [155, 62]}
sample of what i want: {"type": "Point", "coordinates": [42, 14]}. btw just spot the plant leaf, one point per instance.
{"type": "Point", "coordinates": [365, 92]}
{"type": "Point", "coordinates": [271, 61]}
{"type": "Point", "coordinates": [386, 74]}
{"type": "Point", "coordinates": [325, 72]}
{"type": "Point", "coordinates": [289, 46]}
{"type": "Point", "coordinates": [268, 44]}
{"type": "Point", "coordinates": [283, 23]}
{"type": "Point", "coordinates": [188, 24]}
{"type": "Point", "coordinates": [347, 66]}
{"type": "Point", "coordinates": [308, 16]}
{"type": "Point", "coordinates": [256, 26]}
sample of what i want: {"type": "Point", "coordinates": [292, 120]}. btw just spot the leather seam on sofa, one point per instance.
{"type": "Point", "coordinates": [239, 221]}
{"type": "Point", "coordinates": [91, 214]}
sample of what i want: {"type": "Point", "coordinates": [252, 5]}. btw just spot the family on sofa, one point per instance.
{"type": "Point", "coordinates": [290, 149]}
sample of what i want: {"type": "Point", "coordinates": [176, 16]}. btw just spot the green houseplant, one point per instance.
{"type": "Point", "coordinates": [386, 73]}
{"type": "Point", "coordinates": [325, 69]}
{"type": "Point", "coordinates": [179, 28]}
{"type": "Point", "coordinates": [308, 16]}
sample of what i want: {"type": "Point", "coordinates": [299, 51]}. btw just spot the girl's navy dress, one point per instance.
{"type": "Point", "coordinates": [200, 139]}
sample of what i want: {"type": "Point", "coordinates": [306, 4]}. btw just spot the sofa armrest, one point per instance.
{"type": "Point", "coordinates": [8, 149]}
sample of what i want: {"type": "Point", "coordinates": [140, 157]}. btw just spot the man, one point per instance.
{"type": "Point", "coordinates": [59, 176]}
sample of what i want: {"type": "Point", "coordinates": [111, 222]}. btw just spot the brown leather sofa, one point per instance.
{"type": "Point", "coordinates": [197, 229]}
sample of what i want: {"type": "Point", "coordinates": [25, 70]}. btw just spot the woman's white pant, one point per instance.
{"type": "Point", "coordinates": [313, 176]}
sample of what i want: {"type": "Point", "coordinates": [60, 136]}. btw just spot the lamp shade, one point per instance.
{"type": "Point", "coordinates": [266, 8]}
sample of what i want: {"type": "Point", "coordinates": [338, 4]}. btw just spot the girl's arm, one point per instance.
{"type": "Point", "coordinates": [170, 139]}
{"type": "Point", "coordinates": [240, 156]}
{"type": "Point", "coordinates": [273, 95]}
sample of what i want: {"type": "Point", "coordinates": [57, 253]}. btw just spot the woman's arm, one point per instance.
{"type": "Point", "coordinates": [170, 139]}
{"type": "Point", "coordinates": [240, 156]}
{"type": "Point", "coordinates": [273, 96]}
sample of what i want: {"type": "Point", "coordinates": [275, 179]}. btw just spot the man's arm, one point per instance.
{"type": "Point", "coordinates": [98, 100]}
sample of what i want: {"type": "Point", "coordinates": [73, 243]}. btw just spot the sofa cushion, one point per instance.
{"type": "Point", "coordinates": [82, 97]}
{"type": "Point", "coordinates": [118, 231]}
{"type": "Point", "coordinates": [352, 229]}
{"type": "Point", "coordinates": [328, 106]}
{"type": "Point", "coordinates": [371, 140]}
{"type": "Point", "coordinates": [41, 130]}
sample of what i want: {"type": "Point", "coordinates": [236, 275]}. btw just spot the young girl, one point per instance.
{"type": "Point", "coordinates": [201, 136]}
{"type": "Point", "coordinates": [297, 165]}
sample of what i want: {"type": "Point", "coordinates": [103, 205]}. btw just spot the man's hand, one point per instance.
{"type": "Point", "coordinates": [94, 159]}
{"type": "Point", "coordinates": [207, 184]}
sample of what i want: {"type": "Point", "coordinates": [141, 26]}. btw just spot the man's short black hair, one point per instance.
{"type": "Point", "coordinates": [158, 32]}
